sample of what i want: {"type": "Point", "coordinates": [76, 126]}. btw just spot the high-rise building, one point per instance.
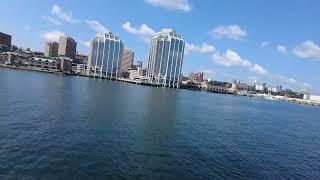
{"type": "Point", "coordinates": [51, 49]}
{"type": "Point", "coordinates": [105, 56]}
{"type": "Point", "coordinates": [67, 47]}
{"type": "Point", "coordinates": [5, 42]}
{"type": "Point", "coordinates": [166, 58]}
{"type": "Point", "coordinates": [127, 60]}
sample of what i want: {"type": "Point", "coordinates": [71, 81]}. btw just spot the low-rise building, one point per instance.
{"type": "Point", "coordinates": [13, 58]}
{"type": "Point", "coordinates": [81, 59]}
{"type": "Point", "coordinates": [65, 64]}
{"type": "Point", "coordinates": [136, 74]}
{"type": "Point", "coordinates": [37, 63]}
{"type": "Point", "coordinates": [79, 68]}
{"type": "Point", "coordinates": [314, 98]}
{"type": "Point", "coordinates": [196, 77]}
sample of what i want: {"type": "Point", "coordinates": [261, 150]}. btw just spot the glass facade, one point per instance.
{"type": "Point", "coordinates": [166, 58]}
{"type": "Point", "coordinates": [105, 56]}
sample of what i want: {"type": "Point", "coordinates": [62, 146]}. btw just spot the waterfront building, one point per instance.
{"type": "Point", "coordinates": [79, 69]}
{"type": "Point", "coordinates": [5, 42]}
{"type": "Point", "coordinates": [16, 58]}
{"type": "Point", "coordinates": [197, 76]}
{"type": "Point", "coordinates": [259, 87]}
{"type": "Point", "coordinates": [136, 74]}
{"type": "Point", "coordinates": [234, 87]}
{"type": "Point", "coordinates": [67, 47]}
{"type": "Point", "coordinates": [166, 58]}
{"type": "Point", "coordinates": [51, 49]}
{"type": "Point", "coordinates": [314, 98]}
{"type": "Point", "coordinates": [37, 63]}
{"type": "Point", "coordinates": [306, 95]}
{"type": "Point", "coordinates": [127, 60]}
{"type": "Point", "coordinates": [81, 59]}
{"type": "Point", "coordinates": [105, 56]}
{"type": "Point", "coordinates": [65, 64]}
{"type": "Point", "coordinates": [275, 89]}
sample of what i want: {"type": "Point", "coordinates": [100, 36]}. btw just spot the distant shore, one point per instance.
{"type": "Point", "coordinates": [262, 96]}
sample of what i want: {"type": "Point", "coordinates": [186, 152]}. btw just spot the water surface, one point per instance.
{"type": "Point", "coordinates": [65, 127]}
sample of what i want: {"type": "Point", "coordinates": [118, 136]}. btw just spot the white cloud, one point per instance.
{"type": "Point", "coordinates": [182, 5]}
{"type": "Point", "coordinates": [232, 32]}
{"type": "Point", "coordinates": [282, 49]}
{"type": "Point", "coordinates": [265, 44]}
{"type": "Point", "coordinates": [85, 43]}
{"type": "Point", "coordinates": [51, 20]}
{"type": "Point", "coordinates": [65, 16]}
{"type": "Point", "coordinates": [202, 49]}
{"type": "Point", "coordinates": [97, 26]}
{"type": "Point", "coordinates": [285, 79]}
{"type": "Point", "coordinates": [232, 58]}
{"type": "Point", "coordinates": [52, 36]}
{"type": "Point", "coordinates": [307, 50]}
{"type": "Point", "coordinates": [143, 31]}
{"type": "Point", "coordinates": [258, 69]}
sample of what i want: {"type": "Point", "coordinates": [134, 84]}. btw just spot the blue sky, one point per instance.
{"type": "Point", "coordinates": [271, 41]}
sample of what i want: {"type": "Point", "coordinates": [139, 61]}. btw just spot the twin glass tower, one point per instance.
{"type": "Point", "coordinates": [165, 58]}
{"type": "Point", "coordinates": [105, 56]}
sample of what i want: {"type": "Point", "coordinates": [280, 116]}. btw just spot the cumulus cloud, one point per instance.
{"type": "Point", "coordinates": [52, 36]}
{"type": "Point", "coordinates": [143, 31]}
{"type": "Point", "coordinates": [85, 43]}
{"type": "Point", "coordinates": [282, 49]}
{"type": "Point", "coordinates": [202, 49]}
{"type": "Point", "coordinates": [62, 15]}
{"type": "Point", "coordinates": [51, 20]}
{"type": "Point", "coordinates": [258, 69]}
{"type": "Point", "coordinates": [284, 79]}
{"type": "Point", "coordinates": [96, 26]}
{"type": "Point", "coordinates": [182, 5]}
{"type": "Point", "coordinates": [231, 32]}
{"type": "Point", "coordinates": [232, 58]}
{"type": "Point", "coordinates": [265, 44]}
{"type": "Point", "coordinates": [307, 50]}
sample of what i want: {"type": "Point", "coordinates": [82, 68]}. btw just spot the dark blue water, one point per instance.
{"type": "Point", "coordinates": [63, 127]}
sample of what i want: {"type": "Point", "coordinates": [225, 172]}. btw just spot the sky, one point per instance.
{"type": "Point", "coordinates": [273, 41]}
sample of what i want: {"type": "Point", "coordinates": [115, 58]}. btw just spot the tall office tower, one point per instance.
{"type": "Point", "coordinates": [105, 56]}
{"type": "Point", "coordinates": [51, 49]}
{"type": "Point", "coordinates": [166, 58]}
{"type": "Point", "coordinates": [5, 42]}
{"type": "Point", "coordinates": [127, 60]}
{"type": "Point", "coordinates": [67, 47]}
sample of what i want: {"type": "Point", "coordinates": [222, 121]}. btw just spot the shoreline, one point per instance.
{"type": "Point", "coordinates": [259, 96]}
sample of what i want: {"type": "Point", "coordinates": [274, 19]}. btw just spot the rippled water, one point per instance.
{"type": "Point", "coordinates": [63, 127]}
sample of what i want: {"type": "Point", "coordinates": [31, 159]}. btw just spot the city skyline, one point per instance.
{"type": "Point", "coordinates": [224, 46]}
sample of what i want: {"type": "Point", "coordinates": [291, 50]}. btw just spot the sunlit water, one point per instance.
{"type": "Point", "coordinates": [64, 127]}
